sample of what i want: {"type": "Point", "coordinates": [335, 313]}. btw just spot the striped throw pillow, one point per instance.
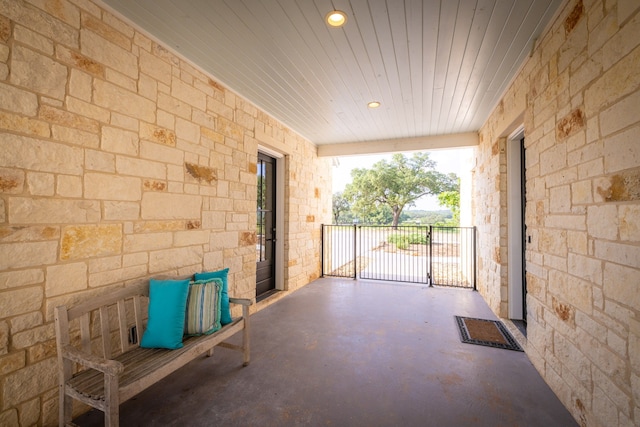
{"type": "Point", "coordinates": [202, 316]}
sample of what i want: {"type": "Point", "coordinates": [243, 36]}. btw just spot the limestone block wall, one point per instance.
{"type": "Point", "coordinates": [119, 161]}
{"type": "Point", "coordinates": [579, 99]}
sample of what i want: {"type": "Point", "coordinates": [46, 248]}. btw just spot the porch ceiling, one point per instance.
{"type": "Point", "coordinates": [437, 67]}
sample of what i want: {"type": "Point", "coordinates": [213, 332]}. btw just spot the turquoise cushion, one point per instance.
{"type": "Point", "coordinates": [225, 312]}
{"type": "Point", "coordinates": [203, 307]}
{"type": "Point", "coordinates": [167, 305]}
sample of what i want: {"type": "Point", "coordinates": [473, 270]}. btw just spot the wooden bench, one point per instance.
{"type": "Point", "coordinates": [121, 371]}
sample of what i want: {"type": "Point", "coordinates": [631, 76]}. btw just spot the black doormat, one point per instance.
{"type": "Point", "coordinates": [491, 333]}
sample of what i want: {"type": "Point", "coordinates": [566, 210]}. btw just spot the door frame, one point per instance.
{"type": "Point", "coordinates": [516, 269]}
{"type": "Point", "coordinates": [278, 270]}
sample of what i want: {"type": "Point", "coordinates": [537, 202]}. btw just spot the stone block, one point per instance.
{"type": "Point", "coordinates": [621, 284]}
{"type": "Point", "coordinates": [105, 52]}
{"type": "Point", "coordinates": [620, 253]}
{"type": "Point", "coordinates": [105, 264]}
{"type": "Point", "coordinates": [86, 241]}
{"type": "Point", "coordinates": [69, 186]}
{"type": "Point", "coordinates": [581, 193]}
{"type": "Point", "coordinates": [173, 259]}
{"type": "Point", "coordinates": [628, 221]}
{"type": "Point", "coordinates": [173, 105]}
{"type": "Point", "coordinates": [191, 237]}
{"type": "Point", "coordinates": [17, 279]}
{"type": "Point", "coordinates": [118, 211]}
{"type": "Point", "coordinates": [21, 301]}
{"type": "Point", "coordinates": [157, 134]}
{"type": "Point", "coordinates": [229, 129]}
{"type": "Point", "coordinates": [39, 334]}
{"type": "Point", "coordinates": [33, 39]}
{"type": "Point", "coordinates": [620, 115]}
{"type": "Point", "coordinates": [586, 268]}
{"type": "Point", "coordinates": [201, 173]}
{"type": "Point", "coordinates": [155, 67]}
{"type": "Point", "coordinates": [626, 8]}
{"type": "Point", "coordinates": [39, 155]}
{"type": "Point", "coordinates": [99, 161]}
{"type": "Point", "coordinates": [120, 36]}
{"type": "Point", "coordinates": [80, 85]}
{"type": "Point", "coordinates": [170, 206]}
{"type": "Point", "coordinates": [147, 242]}
{"type": "Point", "coordinates": [75, 136]}
{"type": "Point", "coordinates": [577, 242]}
{"type": "Point", "coordinates": [553, 242]}
{"type": "Point", "coordinates": [66, 278]}
{"type": "Point", "coordinates": [106, 278]}
{"type": "Point", "coordinates": [26, 321]}
{"type": "Point", "coordinates": [621, 187]}
{"type": "Point", "coordinates": [40, 184]}
{"type": "Point", "coordinates": [82, 62]}
{"type": "Point", "coordinates": [223, 240]}
{"type": "Point", "coordinates": [560, 199]}
{"type": "Point", "coordinates": [11, 181]}
{"type": "Point", "coordinates": [148, 87]}
{"type": "Point", "coordinates": [9, 417]}
{"type": "Point", "coordinates": [17, 100]}
{"type": "Point", "coordinates": [29, 382]}
{"type": "Point", "coordinates": [38, 73]}
{"type": "Point", "coordinates": [112, 187]}
{"type": "Point", "coordinates": [120, 100]}
{"type": "Point", "coordinates": [154, 185]}
{"type": "Point", "coordinates": [30, 412]}
{"type": "Point", "coordinates": [613, 84]}
{"type": "Point", "coordinates": [87, 109]}
{"type": "Point", "coordinates": [188, 94]}
{"type": "Point", "coordinates": [187, 130]}
{"type": "Point", "coordinates": [602, 222]}
{"type": "Point", "coordinates": [142, 168]}
{"type": "Point", "coordinates": [553, 159]}
{"type": "Point", "coordinates": [5, 28]}
{"type": "Point", "coordinates": [117, 140]}
{"type": "Point", "coordinates": [622, 151]}
{"type": "Point", "coordinates": [11, 363]}
{"type": "Point", "coordinates": [23, 124]}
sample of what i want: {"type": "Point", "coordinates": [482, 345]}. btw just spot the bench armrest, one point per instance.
{"type": "Point", "coordinates": [241, 301]}
{"type": "Point", "coordinates": [107, 366]}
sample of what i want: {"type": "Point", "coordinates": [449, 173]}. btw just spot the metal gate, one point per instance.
{"type": "Point", "coordinates": [444, 256]}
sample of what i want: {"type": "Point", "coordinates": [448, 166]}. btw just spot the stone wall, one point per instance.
{"type": "Point", "coordinates": [120, 160]}
{"type": "Point", "coordinates": [579, 99]}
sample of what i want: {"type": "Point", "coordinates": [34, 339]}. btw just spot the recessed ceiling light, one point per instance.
{"type": "Point", "coordinates": [373, 104]}
{"type": "Point", "coordinates": [336, 18]}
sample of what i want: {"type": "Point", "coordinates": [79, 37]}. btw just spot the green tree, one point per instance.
{"type": "Point", "coordinates": [397, 184]}
{"type": "Point", "coordinates": [340, 206]}
{"type": "Point", "coordinates": [451, 200]}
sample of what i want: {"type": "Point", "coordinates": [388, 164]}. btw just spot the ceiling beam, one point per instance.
{"type": "Point", "coordinates": [423, 143]}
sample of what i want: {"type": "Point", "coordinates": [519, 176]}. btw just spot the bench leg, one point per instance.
{"type": "Point", "coordinates": [245, 336]}
{"type": "Point", "coordinates": [210, 352]}
{"type": "Point", "coordinates": [66, 406]}
{"type": "Point", "coordinates": [65, 409]}
{"type": "Point", "coordinates": [112, 401]}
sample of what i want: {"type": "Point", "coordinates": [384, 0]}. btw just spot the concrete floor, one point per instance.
{"type": "Point", "coordinates": [355, 353]}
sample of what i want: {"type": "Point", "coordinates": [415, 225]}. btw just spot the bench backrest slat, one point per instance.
{"type": "Point", "coordinates": [139, 318]}
{"type": "Point", "coordinates": [122, 325]}
{"type": "Point", "coordinates": [85, 332]}
{"type": "Point", "coordinates": [105, 331]}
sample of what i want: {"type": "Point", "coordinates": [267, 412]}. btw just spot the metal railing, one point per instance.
{"type": "Point", "coordinates": [444, 256]}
